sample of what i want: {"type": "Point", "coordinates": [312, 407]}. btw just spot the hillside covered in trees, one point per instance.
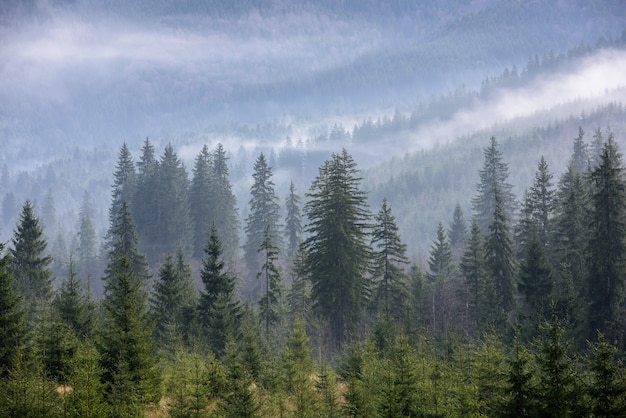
{"type": "Point", "coordinates": [312, 208]}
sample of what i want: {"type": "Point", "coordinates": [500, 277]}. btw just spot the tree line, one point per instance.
{"type": "Point", "coordinates": [519, 313]}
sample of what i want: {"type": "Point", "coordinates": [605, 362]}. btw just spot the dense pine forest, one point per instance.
{"type": "Point", "coordinates": [519, 311]}
{"type": "Point", "coordinates": [312, 208]}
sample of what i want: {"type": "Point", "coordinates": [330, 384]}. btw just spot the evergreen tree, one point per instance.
{"type": "Point", "coordinates": [336, 250]}
{"type": "Point", "coordinates": [264, 215]}
{"type": "Point", "coordinates": [219, 312]}
{"type": "Point", "coordinates": [200, 196]}
{"type": "Point", "coordinates": [127, 351]}
{"type": "Point", "coordinates": [499, 263]}
{"type": "Point", "coordinates": [473, 273]}
{"type": "Point", "coordinates": [608, 385]}
{"type": "Point", "coordinates": [171, 299]}
{"type": "Point", "coordinates": [87, 255]}
{"type": "Point", "coordinates": [521, 386]}
{"type": "Point", "coordinates": [123, 188]}
{"type": "Point", "coordinates": [29, 262]}
{"type": "Point", "coordinates": [607, 248]}
{"type": "Point", "coordinates": [145, 203]}
{"type": "Point", "coordinates": [12, 330]}
{"type": "Point", "coordinates": [299, 368]}
{"type": "Point", "coordinates": [293, 222]}
{"type": "Point", "coordinates": [86, 399]}
{"type": "Point", "coordinates": [536, 285]}
{"type": "Point", "coordinates": [580, 157]}
{"type": "Point", "coordinates": [73, 305]}
{"type": "Point", "coordinates": [224, 210]}
{"type": "Point", "coordinates": [542, 196]}
{"type": "Point", "coordinates": [238, 400]}
{"type": "Point", "coordinates": [493, 177]}
{"type": "Point", "coordinates": [389, 255]}
{"type": "Point", "coordinates": [597, 146]}
{"type": "Point", "coordinates": [457, 232]}
{"type": "Point", "coordinates": [441, 271]}
{"type": "Point", "coordinates": [271, 301]}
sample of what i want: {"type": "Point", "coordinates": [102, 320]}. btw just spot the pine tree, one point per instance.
{"type": "Point", "coordinates": [145, 200]}
{"type": "Point", "coordinates": [123, 188]}
{"type": "Point", "coordinates": [238, 400]}
{"type": "Point", "coordinates": [493, 176]}
{"type": "Point", "coordinates": [608, 385]}
{"type": "Point", "coordinates": [299, 368]}
{"type": "Point", "coordinates": [200, 196]}
{"type": "Point", "coordinates": [270, 303]}
{"type": "Point", "coordinates": [264, 216]}
{"type": "Point", "coordinates": [73, 305]}
{"type": "Point", "coordinates": [224, 210]}
{"type": "Point", "coordinates": [86, 399]}
{"type": "Point", "coordinates": [219, 312]}
{"type": "Point", "coordinates": [499, 263]}
{"type": "Point", "coordinates": [29, 262]}
{"type": "Point", "coordinates": [293, 222]}
{"type": "Point", "coordinates": [536, 285]}
{"type": "Point", "coordinates": [441, 270]}
{"type": "Point", "coordinates": [388, 257]}
{"type": "Point", "coordinates": [12, 330]}
{"type": "Point", "coordinates": [521, 385]}
{"type": "Point", "coordinates": [87, 255]}
{"type": "Point", "coordinates": [607, 247]}
{"type": "Point", "coordinates": [542, 196]}
{"type": "Point", "coordinates": [457, 232]}
{"type": "Point", "coordinates": [580, 157]}
{"type": "Point", "coordinates": [127, 351]}
{"type": "Point", "coordinates": [473, 273]}
{"type": "Point", "coordinates": [336, 251]}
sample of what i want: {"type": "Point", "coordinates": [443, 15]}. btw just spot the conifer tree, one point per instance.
{"type": "Point", "coordinates": [299, 367]}
{"type": "Point", "coordinates": [263, 218]}
{"type": "Point", "coordinates": [580, 156]}
{"type": "Point", "coordinates": [219, 312]}
{"type": "Point", "coordinates": [200, 196]}
{"type": "Point", "coordinates": [457, 232]}
{"type": "Point", "coordinates": [293, 222]}
{"type": "Point", "coordinates": [238, 400]}
{"type": "Point", "coordinates": [473, 273]}
{"type": "Point", "coordinates": [224, 209]}
{"type": "Point", "coordinates": [441, 271]}
{"type": "Point", "coordinates": [390, 291]}
{"type": "Point", "coordinates": [12, 330]}
{"type": "Point", "coordinates": [521, 384]}
{"type": "Point", "coordinates": [86, 399]}
{"type": "Point", "coordinates": [499, 263]}
{"type": "Point", "coordinates": [607, 246]}
{"type": "Point", "coordinates": [493, 177]}
{"type": "Point", "coordinates": [73, 305]}
{"type": "Point", "coordinates": [336, 251]}
{"type": "Point", "coordinates": [127, 350]}
{"type": "Point", "coordinates": [87, 254]}
{"type": "Point", "coordinates": [608, 384]}
{"type": "Point", "coordinates": [271, 301]}
{"type": "Point", "coordinates": [123, 188]}
{"type": "Point", "coordinates": [542, 196]}
{"type": "Point", "coordinates": [29, 262]}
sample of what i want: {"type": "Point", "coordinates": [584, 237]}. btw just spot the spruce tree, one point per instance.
{"type": "Point", "coordinates": [499, 263]}
{"type": "Point", "coordinates": [441, 269]}
{"type": "Point", "coordinates": [608, 382]}
{"type": "Point", "coordinates": [200, 196]}
{"type": "Point", "coordinates": [493, 176]}
{"type": "Point", "coordinates": [580, 157]}
{"type": "Point", "coordinates": [224, 208]}
{"type": "Point", "coordinates": [12, 330]}
{"type": "Point", "coordinates": [219, 311]}
{"type": "Point", "coordinates": [607, 247]}
{"type": "Point", "coordinates": [457, 232]}
{"type": "Point", "coordinates": [293, 222]}
{"type": "Point", "coordinates": [264, 216]}
{"type": "Point", "coordinates": [73, 305]}
{"type": "Point", "coordinates": [336, 250]}
{"type": "Point", "coordinates": [299, 367]}
{"type": "Point", "coordinates": [123, 188]}
{"type": "Point", "coordinates": [473, 273]}
{"type": "Point", "coordinates": [390, 291]}
{"type": "Point", "coordinates": [270, 303]}
{"type": "Point", "coordinates": [29, 263]}
{"type": "Point", "coordinates": [87, 253]}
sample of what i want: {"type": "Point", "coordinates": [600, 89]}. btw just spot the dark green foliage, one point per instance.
{"type": "Point", "coordinates": [219, 312]}
{"type": "Point", "coordinates": [172, 300]}
{"type": "Point", "coordinates": [473, 273]}
{"type": "Point", "coordinates": [558, 389]}
{"type": "Point", "coordinates": [493, 181]}
{"type": "Point", "coordinates": [607, 388]}
{"type": "Point", "coordinates": [536, 285]}
{"type": "Point", "coordinates": [238, 399]}
{"type": "Point", "coordinates": [607, 247]}
{"type": "Point", "coordinates": [521, 390]}
{"type": "Point", "coordinates": [263, 219]}
{"type": "Point", "coordinates": [336, 252]}
{"type": "Point", "coordinates": [223, 212]}
{"type": "Point", "coordinates": [327, 392]}
{"type": "Point", "coordinates": [74, 306]}
{"type": "Point", "coordinates": [12, 330]}
{"type": "Point", "coordinates": [293, 222]}
{"type": "Point", "coordinates": [123, 188]}
{"type": "Point", "coordinates": [127, 350]}
{"type": "Point", "coordinates": [29, 262]}
{"type": "Point", "coordinates": [390, 290]}
{"type": "Point", "coordinates": [499, 264]}
{"type": "Point", "coordinates": [271, 303]}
